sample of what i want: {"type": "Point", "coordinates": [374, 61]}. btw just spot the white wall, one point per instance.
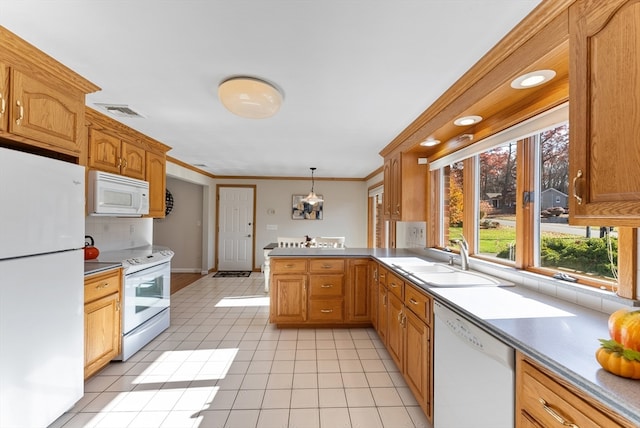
{"type": "Point", "coordinates": [344, 212]}
{"type": "Point", "coordinates": [181, 230]}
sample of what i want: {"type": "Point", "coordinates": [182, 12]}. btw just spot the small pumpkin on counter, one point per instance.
{"type": "Point", "coordinates": [621, 354]}
{"type": "Point", "coordinates": [617, 360]}
{"type": "Point", "coordinates": [624, 328]}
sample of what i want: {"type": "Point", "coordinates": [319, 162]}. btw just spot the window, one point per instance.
{"type": "Point", "coordinates": [496, 211]}
{"type": "Point", "coordinates": [516, 188]}
{"type": "Point", "coordinates": [453, 202]}
{"type": "Point", "coordinates": [576, 250]}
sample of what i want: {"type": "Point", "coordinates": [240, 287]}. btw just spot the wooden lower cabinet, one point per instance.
{"type": "Point", "coordinates": [395, 329]}
{"type": "Point", "coordinates": [544, 400]}
{"type": "Point", "coordinates": [288, 298]}
{"type": "Point", "coordinates": [373, 293]}
{"type": "Point", "coordinates": [408, 338]}
{"type": "Point", "coordinates": [102, 320]}
{"type": "Point", "coordinates": [358, 293]}
{"type": "Point", "coordinates": [417, 360]}
{"type": "Point", "coordinates": [320, 291]}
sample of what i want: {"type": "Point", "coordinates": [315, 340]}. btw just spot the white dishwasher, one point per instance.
{"type": "Point", "coordinates": [473, 375]}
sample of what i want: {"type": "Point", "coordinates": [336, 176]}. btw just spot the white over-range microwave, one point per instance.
{"type": "Point", "coordinates": [117, 195]}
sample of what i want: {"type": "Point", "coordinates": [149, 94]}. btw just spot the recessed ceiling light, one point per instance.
{"type": "Point", "coordinates": [429, 142]}
{"type": "Point", "coordinates": [535, 78]}
{"type": "Point", "coordinates": [250, 97]}
{"type": "Point", "coordinates": [467, 120]}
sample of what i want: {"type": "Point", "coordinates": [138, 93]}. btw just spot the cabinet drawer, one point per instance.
{"type": "Point", "coordinates": [395, 285]}
{"type": "Point", "coordinates": [546, 400]}
{"type": "Point", "coordinates": [382, 275]}
{"type": "Point", "coordinates": [418, 303]}
{"type": "Point", "coordinates": [326, 266]}
{"type": "Point", "coordinates": [102, 284]}
{"type": "Point", "coordinates": [326, 285]}
{"type": "Point", "coordinates": [326, 310]}
{"type": "Point", "coordinates": [288, 265]}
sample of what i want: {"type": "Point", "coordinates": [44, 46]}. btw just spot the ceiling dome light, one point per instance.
{"type": "Point", "coordinates": [467, 120]}
{"type": "Point", "coordinates": [535, 78]}
{"type": "Point", "coordinates": [430, 142]}
{"type": "Point", "coordinates": [250, 97]}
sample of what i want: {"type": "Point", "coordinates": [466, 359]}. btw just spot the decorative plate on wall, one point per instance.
{"type": "Point", "coordinates": [168, 202]}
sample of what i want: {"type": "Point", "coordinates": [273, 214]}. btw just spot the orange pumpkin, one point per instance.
{"type": "Point", "coordinates": [624, 328]}
{"type": "Point", "coordinates": [615, 359]}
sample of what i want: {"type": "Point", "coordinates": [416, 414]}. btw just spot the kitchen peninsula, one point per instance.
{"type": "Point", "coordinates": [559, 336]}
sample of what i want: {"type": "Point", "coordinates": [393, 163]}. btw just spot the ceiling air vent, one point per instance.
{"type": "Point", "coordinates": [120, 110]}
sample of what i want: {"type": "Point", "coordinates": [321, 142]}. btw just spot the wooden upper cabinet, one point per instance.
{"type": "Point", "coordinates": [104, 151]}
{"type": "Point", "coordinates": [113, 154]}
{"type": "Point", "coordinates": [4, 96]}
{"type": "Point", "coordinates": [604, 115]}
{"type": "Point", "coordinates": [133, 161]}
{"type": "Point", "coordinates": [386, 198]}
{"type": "Point", "coordinates": [45, 112]}
{"type": "Point", "coordinates": [156, 176]}
{"type": "Point", "coordinates": [116, 148]}
{"type": "Point", "coordinates": [404, 188]}
{"type": "Point", "coordinates": [41, 100]}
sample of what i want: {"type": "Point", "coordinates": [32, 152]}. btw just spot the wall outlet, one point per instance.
{"type": "Point", "coordinates": [272, 227]}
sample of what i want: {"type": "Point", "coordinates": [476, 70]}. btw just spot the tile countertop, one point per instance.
{"type": "Point", "coordinates": [560, 335]}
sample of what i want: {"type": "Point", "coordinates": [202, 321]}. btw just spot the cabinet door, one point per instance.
{"type": "Point", "coordinates": [605, 120]}
{"type": "Point", "coordinates": [359, 301]}
{"type": "Point", "coordinates": [4, 96]}
{"type": "Point", "coordinates": [383, 313]}
{"type": "Point", "coordinates": [47, 113]}
{"type": "Point", "coordinates": [104, 151]}
{"type": "Point", "coordinates": [101, 332]}
{"type": "Point", "coordinates": [156, 176]}
{"type": "Point", "coordinates": [388, 190]}
{"type": "Point", "coordinates": [288, 298]}
{"type": "Point", "coordinates": [373, 293]}
{"type": "Point", "coordinates": [417, 362]}
{"type": "Point", "coordinates": [395, 332]}
{"type": "Point", "coordinates": [133, 161]}
{"type": "Point", "coordinates": [396, 186]}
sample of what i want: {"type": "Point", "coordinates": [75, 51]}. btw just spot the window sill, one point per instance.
{"type": "Point", "coordinates": [593, 298]}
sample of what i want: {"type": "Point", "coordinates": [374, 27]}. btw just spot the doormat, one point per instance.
{"type": "Point", "coordinates": [232, 274]}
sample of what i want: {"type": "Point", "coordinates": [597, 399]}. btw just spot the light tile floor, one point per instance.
{"type": "Point", "coordinates": [221, 364]}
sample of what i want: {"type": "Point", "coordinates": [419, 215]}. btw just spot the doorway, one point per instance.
{"type": "Point", "coordinates": [236, 227]}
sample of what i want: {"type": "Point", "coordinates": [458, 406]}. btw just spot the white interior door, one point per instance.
{"type": "Point", "coordinates": [235, 228]}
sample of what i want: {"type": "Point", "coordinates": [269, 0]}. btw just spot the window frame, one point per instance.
{"type": "Point", "coordinates": [527, 226]}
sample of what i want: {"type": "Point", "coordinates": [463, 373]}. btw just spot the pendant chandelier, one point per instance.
{"type": "Point", "coordinates": [312, 198]}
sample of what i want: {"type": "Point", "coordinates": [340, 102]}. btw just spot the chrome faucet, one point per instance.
{"type": "Point", "coordinates": [464, 253]}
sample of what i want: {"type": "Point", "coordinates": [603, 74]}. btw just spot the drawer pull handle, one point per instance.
{"type": "Point", "coordinates": [101, 286]}
{"type": "Point", "coordinates": [326, 286]}
{"type": "Point", "coordinates": [3, 104]}
{"type": "Point", "coordinates": [413, 301]}
{"type": "Point", "coordinates": [555, 415]}
{"type": "Point", "coordinates": [326, 311]}
{"type": "Point", "coordinates": [326, 266]}
{"type": "Point", "coordinates": [288, 266]}
{"type": "Point", "coordinates": [394, 285]}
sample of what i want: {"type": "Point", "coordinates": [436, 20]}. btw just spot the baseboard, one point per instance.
{"type": "Point", "coordinates": [185, 270]}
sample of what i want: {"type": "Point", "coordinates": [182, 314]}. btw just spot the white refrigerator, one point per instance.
{"type": "Point", "coordinates": [41, 288]}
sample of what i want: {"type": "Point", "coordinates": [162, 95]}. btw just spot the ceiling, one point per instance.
{"type": "Point", "coordinates": [354, 73]}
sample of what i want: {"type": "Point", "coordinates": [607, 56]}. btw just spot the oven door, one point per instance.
{"type": "Point", "coordinates": [146, 293]}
